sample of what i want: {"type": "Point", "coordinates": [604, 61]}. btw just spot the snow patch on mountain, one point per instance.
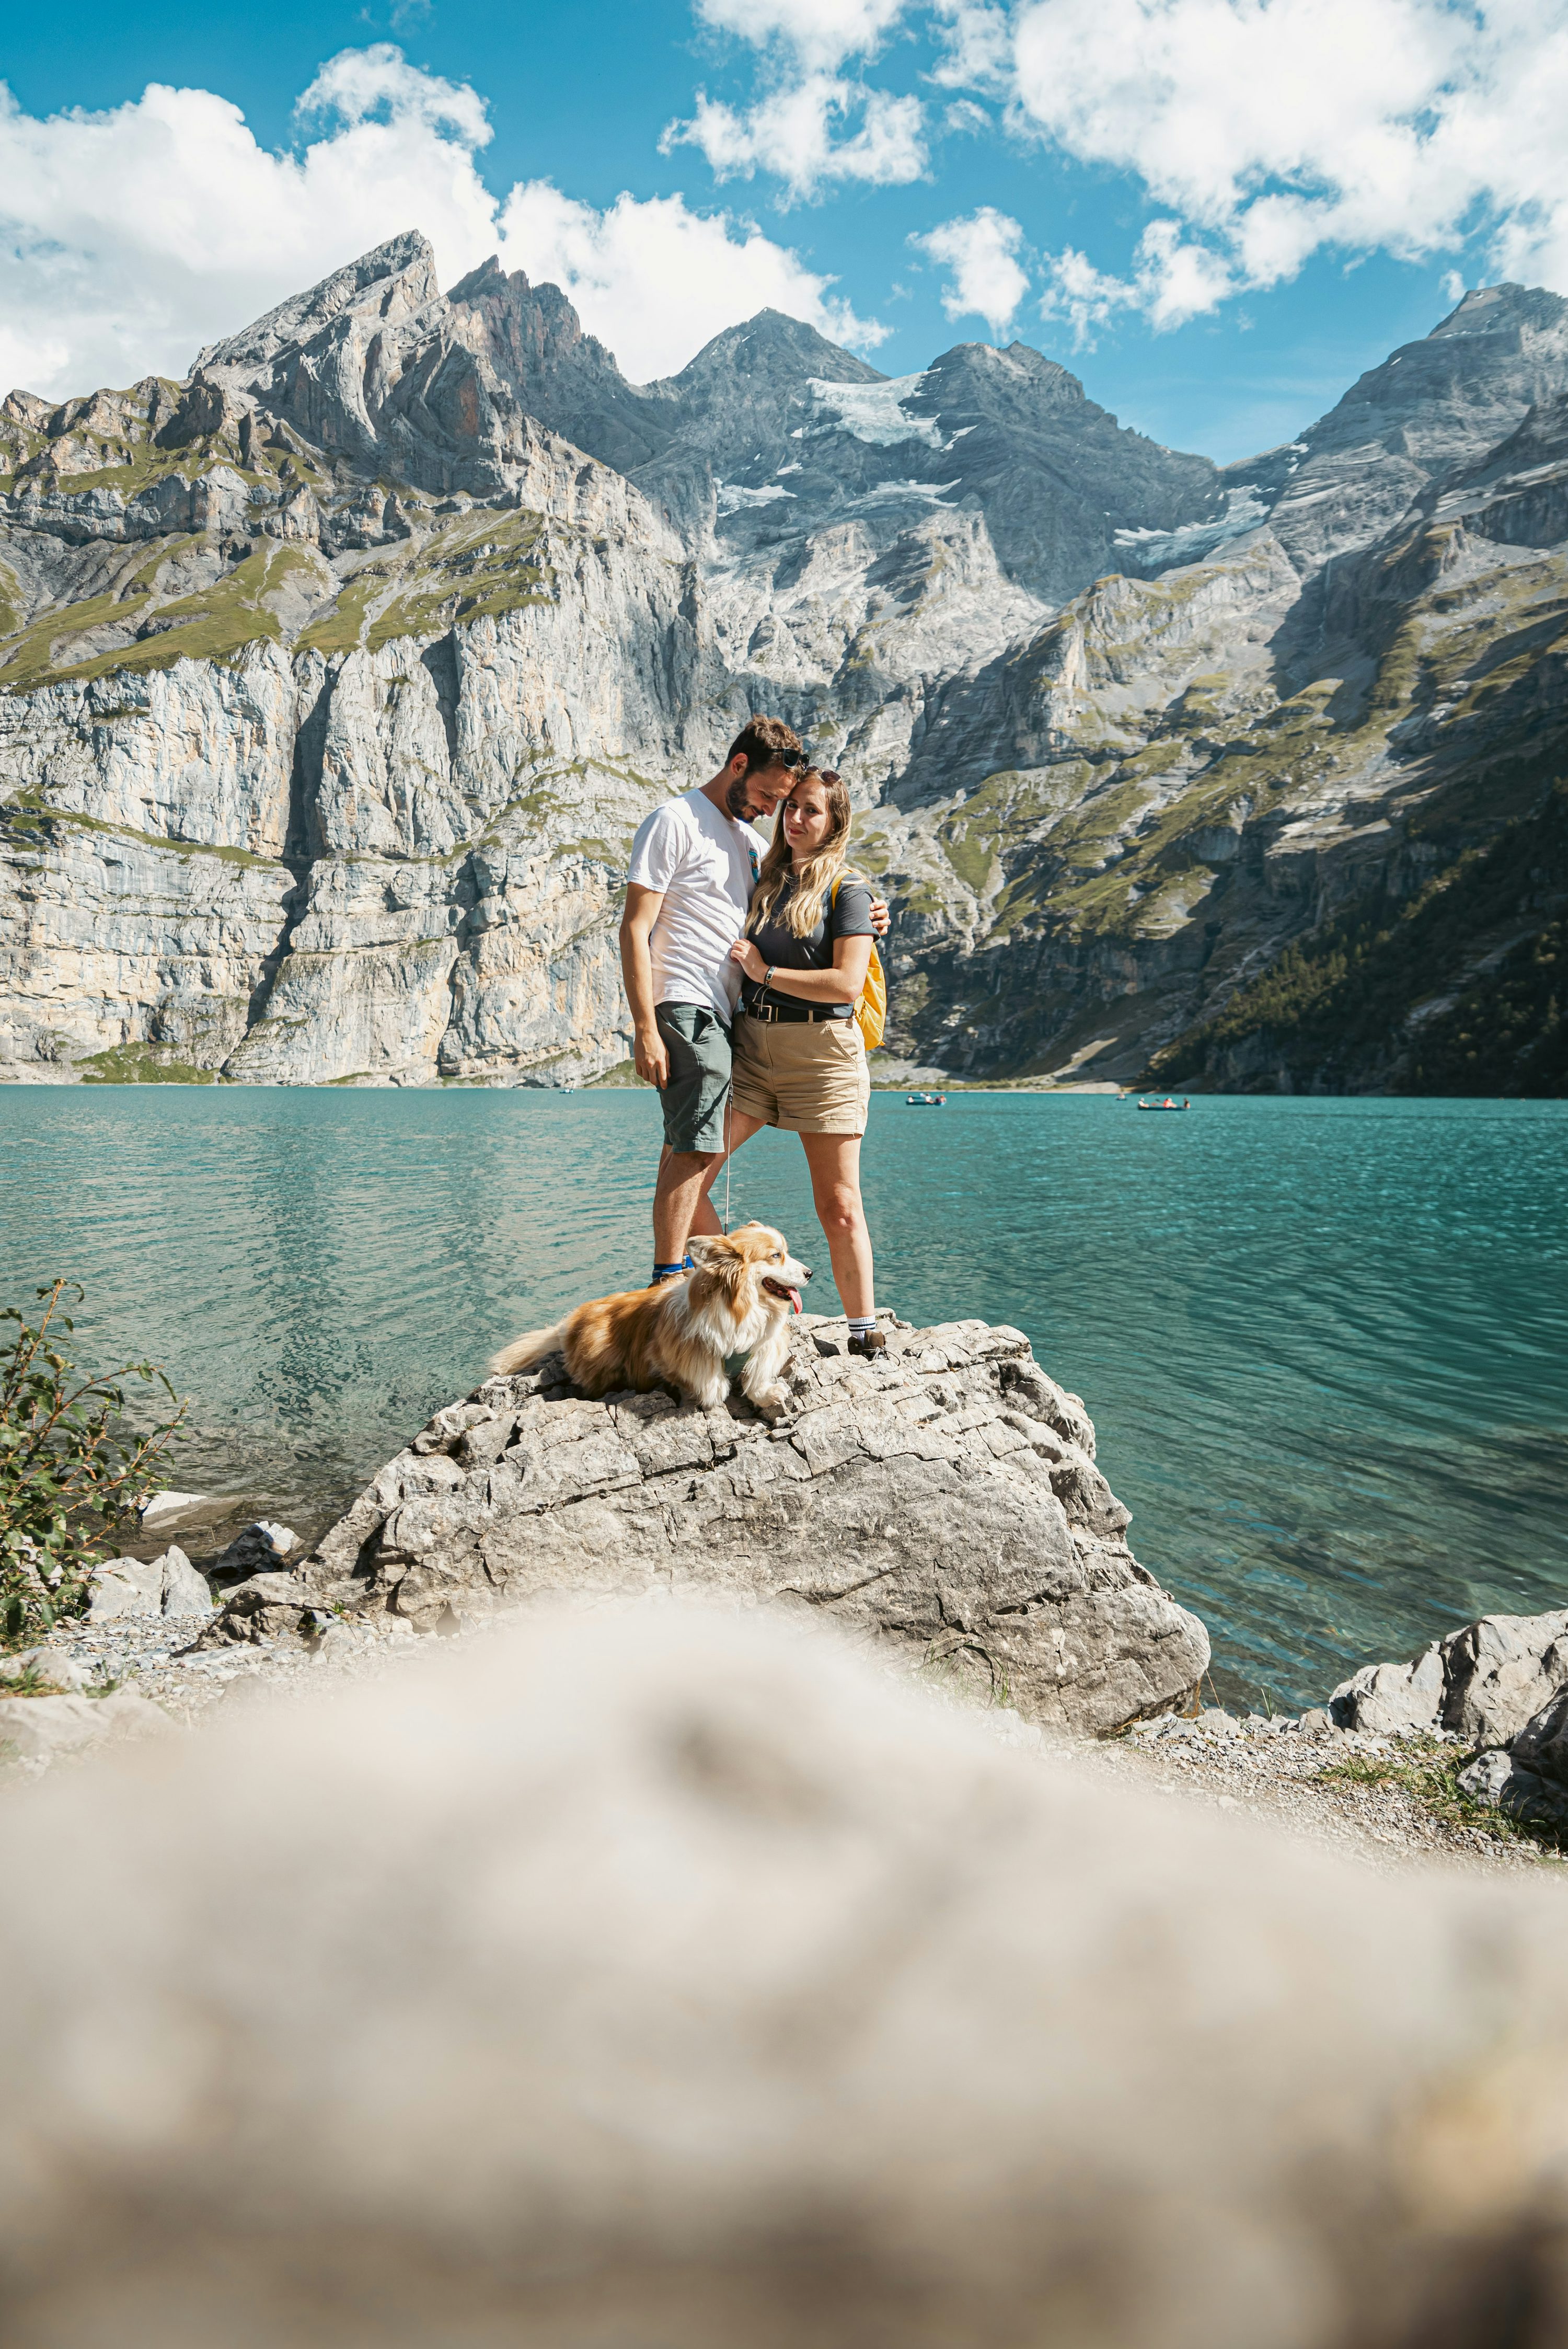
{"type": "Point", "coordinates": [734, 496]}
{"type": "Point", "coordinates": [874, 412]}
{"type": "Point", "coordinates": [1157, 549]}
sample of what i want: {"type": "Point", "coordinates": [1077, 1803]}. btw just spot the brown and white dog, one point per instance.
{"type": "Point", "coordinates": [737, 1301]}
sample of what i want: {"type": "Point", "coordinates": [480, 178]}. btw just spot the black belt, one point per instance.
{"type": "Point", "coordinates": [775, 1012]}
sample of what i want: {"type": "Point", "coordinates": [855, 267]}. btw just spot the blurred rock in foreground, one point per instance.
{"type": "Point", "coordinates": [669, 1977]}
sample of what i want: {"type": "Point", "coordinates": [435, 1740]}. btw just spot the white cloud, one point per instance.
{"type": "Point", "coordinates": [1080, 292]}
{"type": "Point", "coordinates": [789, 134]}
{"type": "Point", "coordinates": [128, 238]}
{"type": "Point", "coordinates": [822, 33]}
{"type": "Point", "coordinates": [981, 250]}
{"type": "Point", "coordinates": [1271, 129]}
{"type": "Point", "coordinates": [978, 45]}
{"type": "Point", "coordinates": [655, 281]}
{"type": "Point", "coordinates": [1173, 281]}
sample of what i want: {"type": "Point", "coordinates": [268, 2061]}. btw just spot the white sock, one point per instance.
{"type": "Point", "coordinates": [861, 1324]}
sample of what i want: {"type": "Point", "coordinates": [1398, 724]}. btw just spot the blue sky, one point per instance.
{"type": "Point", "coordinates": [1217, 212]}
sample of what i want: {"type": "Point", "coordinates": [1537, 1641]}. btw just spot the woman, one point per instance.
{"type": "Point", "coordinates": [799, 1059]}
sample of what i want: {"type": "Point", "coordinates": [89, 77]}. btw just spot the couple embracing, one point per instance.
{"type": "Point", "coordinates": [744, 960]}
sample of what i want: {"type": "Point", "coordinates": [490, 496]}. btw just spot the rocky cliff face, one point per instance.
{"type": "Point", "coordinates": [334, 681]}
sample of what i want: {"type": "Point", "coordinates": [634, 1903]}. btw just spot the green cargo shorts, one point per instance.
{"type": "Point", "coordinates": [697, 1097]}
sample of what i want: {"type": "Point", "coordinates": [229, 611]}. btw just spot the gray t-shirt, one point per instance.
{"type": "Point", "coordinates": [847, 916]}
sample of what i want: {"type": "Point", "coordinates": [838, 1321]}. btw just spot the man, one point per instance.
{"type": "Point", "coordinates": [694, 866]}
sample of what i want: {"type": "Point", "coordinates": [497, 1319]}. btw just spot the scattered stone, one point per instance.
{"type": "Point", "coordinates": [265, 1608]}
{"type": "Point", "coordinates": [261, 1549]}
{"type": "Point", "coordinates": [126, 1586]}
{"type": "Point", "coordinates": [185, 1592]}
{"type": "Point", "coordinates": [161, 1507]}
{"type": "Point", "coordinates": [943, 1499]}
{"type": "Point", "coordinates": [57, 1674]}
{"type": "Point", "coordinates": [1393, 1696]}
{"type": "Point", "coordinates": [166, 1585]}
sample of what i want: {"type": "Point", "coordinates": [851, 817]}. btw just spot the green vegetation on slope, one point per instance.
{"type": "Point", "coordinates": [1508, 1025]}
{"type": "Point", "coordinates": [1340, 1001]}
{"type": "Point", "coordinates": [142, 1064]}
{"type": "Point", "coordinates": [213, 624]}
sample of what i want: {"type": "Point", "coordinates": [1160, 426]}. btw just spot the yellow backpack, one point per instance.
{"type": "Point", "coordinates": [871, 1009]}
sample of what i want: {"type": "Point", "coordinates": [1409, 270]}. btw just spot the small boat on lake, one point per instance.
{"type": "Point", "coordinates": [925, 1100]}
{"type": "Point", "coordinates": [1167, 1104]}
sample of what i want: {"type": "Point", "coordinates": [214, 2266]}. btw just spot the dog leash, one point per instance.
{"type": "Point", "coordinates": [728, 1129]}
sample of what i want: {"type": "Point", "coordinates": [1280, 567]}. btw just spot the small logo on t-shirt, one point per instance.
{"type": "Point", "coordinates": [756, 868]}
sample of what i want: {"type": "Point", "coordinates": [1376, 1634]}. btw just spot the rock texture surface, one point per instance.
{"type": "Point", "coordinates": [943, 1502]}
{"type": "Point", "coordinates": [168, 1585]}
{"type": "Point", "coordinates": [1500, 1684]}
{"type": "Point", "coordinates": [334, 681]}
{"type": "Point", "coordinates": [673, 1977]}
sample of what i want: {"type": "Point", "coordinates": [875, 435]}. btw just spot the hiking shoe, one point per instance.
{"type": "Point", "coordinates": [873, 1343]}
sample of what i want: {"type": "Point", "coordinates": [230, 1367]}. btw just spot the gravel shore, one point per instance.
{"type": "Point", "coordinates": [1383, 1800]}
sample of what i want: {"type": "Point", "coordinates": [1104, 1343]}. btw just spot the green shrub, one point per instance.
{"type": "Point", "coordinates": [72, 1469]}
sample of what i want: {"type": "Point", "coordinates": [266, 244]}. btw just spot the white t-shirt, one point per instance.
{"type": "Point", "coordinates": [706, 866]}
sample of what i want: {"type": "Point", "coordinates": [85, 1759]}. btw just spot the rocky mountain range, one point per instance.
{"type": "Point", "coordinates": [334, 677]}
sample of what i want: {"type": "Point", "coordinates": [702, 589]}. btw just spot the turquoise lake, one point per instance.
{"type": "Point", "coordinates": [1325, 1342]}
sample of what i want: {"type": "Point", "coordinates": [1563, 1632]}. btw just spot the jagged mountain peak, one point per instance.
{"type": "Point", "coordinates": [1502, 350]}
{"type": "Point", "coordinates": [409, 257]}
{"type": "Point", "coordinates": [1506, 308]}
{"type": "Point", "coordinates": [771, 349]}
{"type": "Point", "coordinates": [991, 363]}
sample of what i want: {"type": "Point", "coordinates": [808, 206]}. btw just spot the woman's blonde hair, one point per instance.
{"type": "Point", "coordinates": [814, 879]}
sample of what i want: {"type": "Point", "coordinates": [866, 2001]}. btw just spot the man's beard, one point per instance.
{"type": "Point", "coordinates": [737, 799]}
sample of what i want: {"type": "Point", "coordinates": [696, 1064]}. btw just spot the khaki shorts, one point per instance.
{"type": "Point", "coordinates": [804, 1076]}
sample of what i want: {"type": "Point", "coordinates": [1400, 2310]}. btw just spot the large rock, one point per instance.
{"type": "Point", "coordinates": [1542, 1744]}
{"type": "Point", "coordinates": [1498, 1779]}
{"type": "Point", "coordinates": [944, 1500]}
{"type": "Point", "coordinates": [1386, 1698]}
{"type": "Point", "coordinates": [1485, 1683]}
{"type": "Point", "coordinates": [1500, 1672]}
{"type": "Point", "coordinates": [673, 1979]}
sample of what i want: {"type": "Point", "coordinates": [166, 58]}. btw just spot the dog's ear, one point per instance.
{"type": "Point", "coordinates": [704, 1249]}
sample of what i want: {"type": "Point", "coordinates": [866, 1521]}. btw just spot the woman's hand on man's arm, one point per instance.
{"type": "Point", "coordinates": [881, 918]}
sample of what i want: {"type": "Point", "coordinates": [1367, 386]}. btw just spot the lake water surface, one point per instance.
{"type": "Point", "coordinates": [1325, 1342]}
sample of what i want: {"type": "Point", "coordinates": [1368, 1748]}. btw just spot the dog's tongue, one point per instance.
{"type": "Point", "coordinates": [794, 1300]}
